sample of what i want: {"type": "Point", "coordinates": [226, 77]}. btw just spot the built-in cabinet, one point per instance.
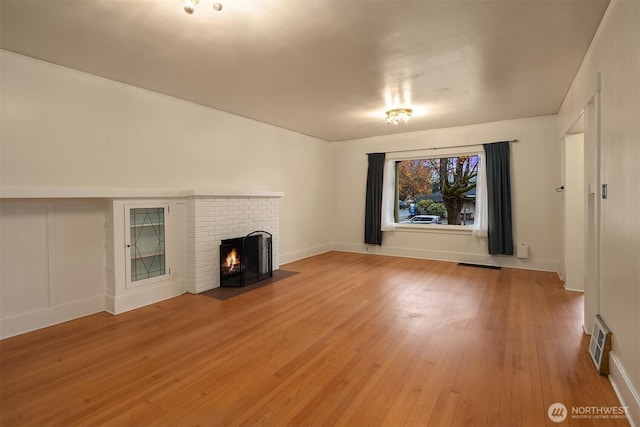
{"type": "Point", "coordinates": [72, 252]}
{"type": "Point", "coordinates": [144, 243]}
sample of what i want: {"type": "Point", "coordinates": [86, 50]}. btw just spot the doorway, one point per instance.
{"type": "Point", "coordinates": [574, 210]}
{"type": "Point", "coordinates": [580, 253]}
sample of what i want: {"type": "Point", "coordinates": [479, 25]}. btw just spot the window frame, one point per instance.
{"type": "Point", "coordinates": [430, 154]}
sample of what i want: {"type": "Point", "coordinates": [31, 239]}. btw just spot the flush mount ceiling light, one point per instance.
{"type": "Point", "coordinates": [189, 6]}
{"type": "Point", "coordinates": [398, 115]}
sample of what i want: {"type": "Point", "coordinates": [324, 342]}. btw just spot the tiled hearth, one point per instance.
{"type": "Point", "coordinates": [213, 218]}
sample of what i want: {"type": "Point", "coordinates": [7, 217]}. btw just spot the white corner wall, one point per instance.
{"type": "Point", "coordinates": [536, 206]}
{"type": "Point", "coordinates": [66, 129]}
{"type": "Point", "coordinates": [615, 55]}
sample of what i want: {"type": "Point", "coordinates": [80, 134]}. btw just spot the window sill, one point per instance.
{"type": "Point", "coordinates": [426, 228]}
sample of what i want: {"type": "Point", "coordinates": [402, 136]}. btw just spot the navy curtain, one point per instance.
{"type": "Point", "coordinates": [500, 226]}
{"type": "Point", "coordinates": [373, 208]}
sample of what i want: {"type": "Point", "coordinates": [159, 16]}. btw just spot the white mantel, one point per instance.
{"type": "Point", "coordinates": [30, 192]}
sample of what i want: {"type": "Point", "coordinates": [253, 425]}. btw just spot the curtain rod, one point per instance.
{"type": "Point", "coordinates": [437, 148]}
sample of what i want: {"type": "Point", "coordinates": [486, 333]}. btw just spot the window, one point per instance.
{"type": "Point", "coordinates": [437, 191]}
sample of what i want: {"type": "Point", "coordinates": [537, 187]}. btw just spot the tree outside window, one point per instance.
{"type": "Point", "coordinates": [442, 186]}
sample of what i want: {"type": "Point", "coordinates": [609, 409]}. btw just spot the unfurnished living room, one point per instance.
{"type": "Point", "coordinates": [297, 212]}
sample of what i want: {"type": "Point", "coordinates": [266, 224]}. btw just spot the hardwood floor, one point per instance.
{"type": "Point", "coordinates": [351, 340]}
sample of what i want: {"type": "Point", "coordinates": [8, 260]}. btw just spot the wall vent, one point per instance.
{"type": "Point", "coordinates": [600, 345]}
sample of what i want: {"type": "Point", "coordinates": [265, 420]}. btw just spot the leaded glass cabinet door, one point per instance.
{"type": "Point", "coordinates": [146, 244]}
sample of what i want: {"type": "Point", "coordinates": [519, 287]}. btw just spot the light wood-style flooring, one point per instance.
{"type": "Point", "coordinates": [353, 339]}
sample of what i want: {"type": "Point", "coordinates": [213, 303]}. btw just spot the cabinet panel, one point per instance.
{"type": "Point", "coordinates": [25, 254]}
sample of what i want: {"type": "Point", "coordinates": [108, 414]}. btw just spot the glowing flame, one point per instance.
{"type": "Point", "coordinates": [232, 259]}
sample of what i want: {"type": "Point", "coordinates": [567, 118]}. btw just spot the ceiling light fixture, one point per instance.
{"type": "Point", "coordinates": [398, 115]}
{"type": "Point", "coordinates": [189, 6]}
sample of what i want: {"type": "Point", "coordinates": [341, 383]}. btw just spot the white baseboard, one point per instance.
{"type": "Point", "coordinates": [304, 253]}
{"type": "Point", "coordinates": [498, 261]}
{"type": "Point", "coordinates": [560, 274]}
{"type": "Point", "coordinates": [41, 318]}
{"type": "Point", "coordinates": [204, 288]}
{"type": "Point", "coordinates": [627, 394]}
{"type": "Point", "coordinates": [139, 298]}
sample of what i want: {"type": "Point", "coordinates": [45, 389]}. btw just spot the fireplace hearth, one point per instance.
{"type": "Point", "coordinates": [246, 260]}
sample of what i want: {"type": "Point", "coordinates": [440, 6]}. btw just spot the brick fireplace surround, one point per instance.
{"type": "Point", "coordinates": [211, 219]}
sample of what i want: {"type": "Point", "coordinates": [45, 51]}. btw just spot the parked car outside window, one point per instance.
{"type": "Point", "coordinates": [424, 219]}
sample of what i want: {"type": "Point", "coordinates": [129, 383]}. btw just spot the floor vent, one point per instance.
{"type": "Point", "coordinates": [490, 267]}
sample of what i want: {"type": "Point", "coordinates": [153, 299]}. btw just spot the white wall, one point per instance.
{"type": "Point", "coordinates": [52, 262]}
{"type": "Point", "coordinates": [615, 54]}
{"type": "Point", "coordinates": [65, 129]}
{"type": "Point", "coordinates": [536, 205]}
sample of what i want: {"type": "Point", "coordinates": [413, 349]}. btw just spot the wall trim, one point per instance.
{"type": "Point", "coordinates": [193, 289]}
{"type": "Point", "coordinates": [142, 297]}
{"type": "Point", "coordinates": [499, 261]}
{"type": "Point", "coordinates": [305, 253]}
{"type": "Point", "coordinates": [42, 318]}
{"type": "Point", "coordinates": [624, 389]}
{"type": "Point", "coordinates": [37, 192]}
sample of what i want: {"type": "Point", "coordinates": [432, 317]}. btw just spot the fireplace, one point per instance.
{"type": "Point", "coordinates": [246, 260]}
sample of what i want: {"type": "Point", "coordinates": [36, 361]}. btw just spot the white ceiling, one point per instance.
{"type": "Point", "coordinates": [325, 68]}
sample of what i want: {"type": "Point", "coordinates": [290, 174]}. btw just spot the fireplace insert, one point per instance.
{"type": "Point", "coordinates": [246, 260]}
